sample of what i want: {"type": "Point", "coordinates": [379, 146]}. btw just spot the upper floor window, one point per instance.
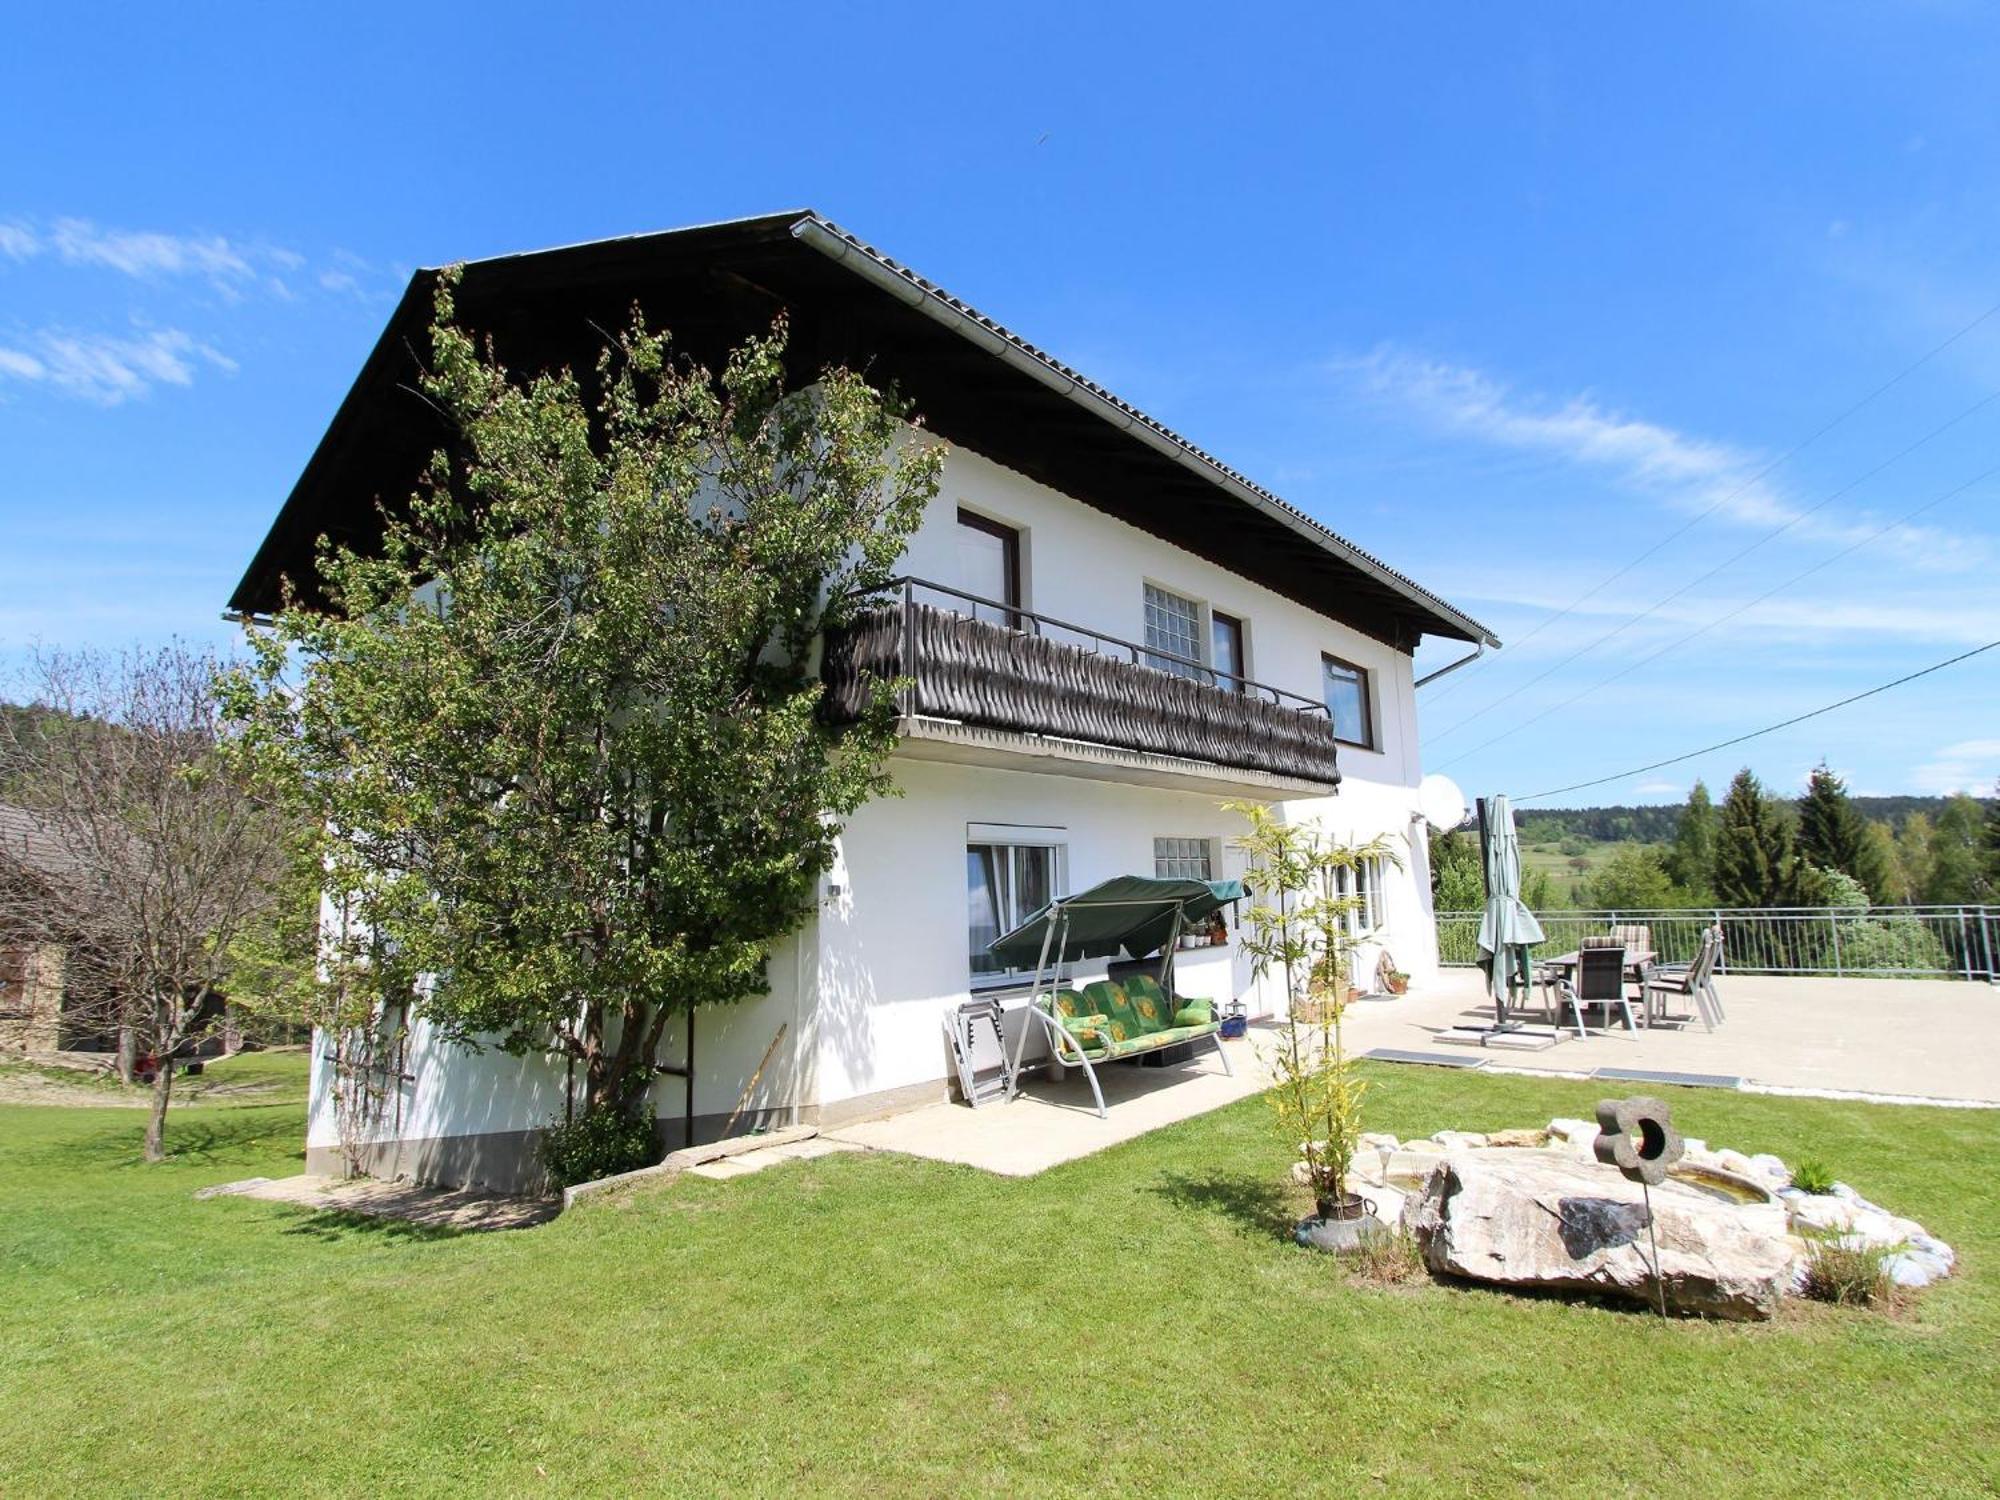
{"type": "Point", "coordinates": [1347, 702]}
{"type": "Point", "coordinates": [1225, 650]}
{"type": "Point", "coordinates": [989, 567]}
{"type": "Point", "coordinates": [1173, 628]}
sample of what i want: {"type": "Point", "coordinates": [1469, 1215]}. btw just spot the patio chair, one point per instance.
{"type": "Point", "coordinates": [1599, 980]}
{"type": "Point", "coordinates": [1638, 939]}
{"type": "Point", "coordinates": [1690, 981]}
{"type": "Point", "coordinates": [1695, 978]}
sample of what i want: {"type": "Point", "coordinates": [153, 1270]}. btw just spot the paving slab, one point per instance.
{"type": "Point", "coordinates": [412, 1203]}
{"type": "Point", "coordinates": [770, 1156]}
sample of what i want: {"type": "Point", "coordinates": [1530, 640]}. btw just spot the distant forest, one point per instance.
{"type": "Point", "coordinates": [1656, 823]}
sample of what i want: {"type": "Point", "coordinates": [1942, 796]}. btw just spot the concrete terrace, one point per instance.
{"type": "Point", "coordinates": [1891, 1040]}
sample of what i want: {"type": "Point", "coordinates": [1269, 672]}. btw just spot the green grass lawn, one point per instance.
{"type": "Point", "coordinates": [871, 1324]}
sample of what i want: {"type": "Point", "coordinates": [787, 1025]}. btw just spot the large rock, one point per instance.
{"type": "Point", "coordinates": [1545, 1219]}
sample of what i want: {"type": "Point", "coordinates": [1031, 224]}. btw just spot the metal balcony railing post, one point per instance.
{"type": "Point", "coordinates": [909, 648]}
{"type": "Point", "coordinates": [1833, 927]}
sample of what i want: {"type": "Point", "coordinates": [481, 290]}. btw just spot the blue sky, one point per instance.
{"type": "Point", "coordinates": [1506, 294]}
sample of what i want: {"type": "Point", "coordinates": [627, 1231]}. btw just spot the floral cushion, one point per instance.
{"type": "Point", "coordinates": [1150, 1002]}
{"type": "Point", "coordinates": [1194, 1013]}
{"type": "Point", "coordinates": [1068, 1003]}
{"type": "Point", "coordinates": [1121, 1017]}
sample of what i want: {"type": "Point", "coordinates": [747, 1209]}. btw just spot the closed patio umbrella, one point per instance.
{"type": "Point", "coordinates": [1508, 929]}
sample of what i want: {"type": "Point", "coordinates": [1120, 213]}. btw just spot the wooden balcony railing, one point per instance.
{"type": "Point", "coordinates": [1021, 676]}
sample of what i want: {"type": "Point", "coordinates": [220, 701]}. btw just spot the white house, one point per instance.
{"type": "Point", "coordinates": [1230, 648]}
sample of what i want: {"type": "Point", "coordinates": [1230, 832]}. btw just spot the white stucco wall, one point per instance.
{"type": "Point", "coordinates": [1081, 565]}
{"type": "Point", "coordinates": [863, 989]}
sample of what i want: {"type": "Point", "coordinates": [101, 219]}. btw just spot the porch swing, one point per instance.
{"type": "Point", "coordinates": [1113, 1019]}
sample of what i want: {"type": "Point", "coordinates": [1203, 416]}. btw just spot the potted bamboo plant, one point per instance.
{"type": "Point", "coordinates": [1298, 930]}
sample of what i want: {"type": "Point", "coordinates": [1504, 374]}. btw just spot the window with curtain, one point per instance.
{"type": "Point", "coordinates": [1173, 624]}
{"type": "Point", "coordinates": [1364, 884]}
{"type": "Point", "coordinates": [1347, 702]}
{"type": "Point", "coordinates": [1225, 650]}
{"type": "Point", "coordinates": [1005, 884]}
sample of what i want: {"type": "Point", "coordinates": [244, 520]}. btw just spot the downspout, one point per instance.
{"type": "Point", "coordinates": [1478, 651]}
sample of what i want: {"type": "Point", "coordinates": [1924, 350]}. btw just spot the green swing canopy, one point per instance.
{"type": "Point", "coordinates": [1134, 912]}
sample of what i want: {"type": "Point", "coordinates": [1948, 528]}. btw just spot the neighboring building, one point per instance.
{"type": "Point", "coordinates": [32, 1006]}
{"type": "Point", "coordinates": [1212, 642]}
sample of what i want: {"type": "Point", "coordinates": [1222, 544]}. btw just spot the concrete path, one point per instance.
{"type": "Point", "coordinates": [1052, 1123]}
{"type": "Point", "coordinates": [1887, 1040]}
{"type": "Point", "coordinates": [771, 1156]}
{"type": "Point", "coordinates": [1923, 1039]}
{"type": "Point", "coordinates": [413, 1203]}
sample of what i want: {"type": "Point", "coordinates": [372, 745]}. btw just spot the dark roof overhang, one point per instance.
{"type": "Point", "coordinates": [973, 382]}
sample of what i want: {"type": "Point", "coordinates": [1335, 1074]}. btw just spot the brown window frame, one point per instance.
{"type": "Point", "coordinates": [1010, 540]}
{"type": "Point", "coordinates": [1361, 674]}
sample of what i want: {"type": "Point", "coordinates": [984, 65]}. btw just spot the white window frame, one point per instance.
{"type": "Point", "coordinates": [1363, 880]}
{"type": "Point", "coordinates": [1198, 633]}
{"type": "Point", "coordinates": [1015, 836]}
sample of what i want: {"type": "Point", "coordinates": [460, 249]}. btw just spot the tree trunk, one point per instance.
{"type": "Point", "coordinates": [128, 1053]}
{"type": "Point", "coordinates": [156, 1120]}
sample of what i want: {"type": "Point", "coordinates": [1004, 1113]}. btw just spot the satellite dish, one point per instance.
{"type": "Point", "coordinates": [1441, 802]}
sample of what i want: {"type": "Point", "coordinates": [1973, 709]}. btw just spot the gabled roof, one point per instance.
{"type": "Point", "coordinates": [970, 379]}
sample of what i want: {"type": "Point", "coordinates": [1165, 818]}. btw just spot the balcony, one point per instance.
{"type": "Point", "coordinates": [1040, 677]}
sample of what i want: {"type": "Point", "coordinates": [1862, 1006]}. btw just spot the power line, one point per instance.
{"type": "Point", "coordinates": [1657, 765]}
{"type": "Point", "coordinates": [1785, 457]}
{"type": "Point", "coordinates": [1726, 617]}
{"type": "Point", "coordinates": [1723, 566]}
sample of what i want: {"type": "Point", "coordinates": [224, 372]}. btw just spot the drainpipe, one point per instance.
{"type": "Point", "coordinates": [1464, 661]}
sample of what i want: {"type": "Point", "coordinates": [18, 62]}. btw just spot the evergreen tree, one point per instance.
{"type": "Point", "coordinates": [1753, 847]}
{"type": "Point", "coordinates": [1691, 860]}
{"type": "Point", "coordinates": [1834, 836]}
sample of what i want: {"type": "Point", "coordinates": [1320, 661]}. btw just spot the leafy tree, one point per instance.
{"type": "Point", "coordinates": [1990, 841]}
{"type": "Point", "coordinates": [141, 853]}
{"type": "Point", "coordinates": [1834, 836]}
{"type": "Point", "coordinates": [560, 737]}
{"type": "Point", "coordinates": [1958, 869]}
{"type": "Point", "coordinates": [1634, 878]}
{"type": "Point", "coordinates": [1691, 860]}
{"type": "Point", "coordinates": [1457, 883]}
{"type": "Point", "coordinates": [1753, 846]}
{"type": "Point", "coordinates": [1914, 859]}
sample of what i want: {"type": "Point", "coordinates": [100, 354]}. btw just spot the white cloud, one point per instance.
{"type": "Point", "coordinates": [1689, 472]}
{"type": "Point", "coordinates": [1968, 766]}
{"type": "Point", "coordinates": [1658, 788]}
{"type": "Point", "coordinates": [147, 252]}
{"type": "Point", "coordinates": [108, 369]}
{"type": "Point", "coordinates": [18, 242]}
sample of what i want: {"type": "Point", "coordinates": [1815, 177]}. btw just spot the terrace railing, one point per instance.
{"type": "Point", "coordinates": [985, 663]}
{"type": "Point", "coordinates": [1929, 942]}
